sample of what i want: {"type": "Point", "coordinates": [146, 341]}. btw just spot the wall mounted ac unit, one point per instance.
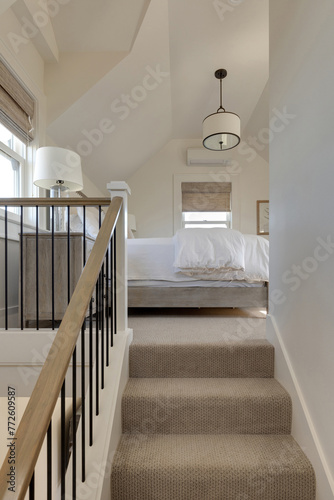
{"type": "Point", "coordinates": [202, 156]}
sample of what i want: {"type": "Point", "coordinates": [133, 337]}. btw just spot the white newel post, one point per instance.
{"type": "Point", "coordinates": [120, 188]}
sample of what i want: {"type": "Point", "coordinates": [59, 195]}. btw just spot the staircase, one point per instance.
{"type": "Point", "coordinates": [207, 421]}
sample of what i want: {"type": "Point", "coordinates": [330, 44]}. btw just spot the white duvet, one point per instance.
{"type": "Point", "coordinates": [153, 259]}
{"type": "Point", "coordinates": [204, 249]}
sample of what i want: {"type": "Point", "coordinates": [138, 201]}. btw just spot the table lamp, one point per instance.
{"type": "Point", "coordinates": [58, 170]}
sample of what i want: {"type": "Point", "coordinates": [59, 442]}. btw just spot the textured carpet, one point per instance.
{"type": "Point", "coordinates": [211, 467]}
{"type": "Point", "coordinates": [195, 329]}
{"type": "Point", "coordinates": [206, 406]}
{"type": "Point", "coordinates": [203, 417]}
{"type": "Point", "coordinates": [251, 358]}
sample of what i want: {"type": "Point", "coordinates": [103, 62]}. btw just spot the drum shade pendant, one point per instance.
{"type": "Point", "coordinates": [221, 130]}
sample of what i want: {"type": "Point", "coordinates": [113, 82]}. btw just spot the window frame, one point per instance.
{"type": "Point", "coordinates": [215, 175]}
{"type": "Point", "coordinates": [21, 160]}
{"type": "Point", "coordinates": [227, 223]}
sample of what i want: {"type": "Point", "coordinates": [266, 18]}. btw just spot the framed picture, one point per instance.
{"type": "Point", "coordinates": [262, 217]}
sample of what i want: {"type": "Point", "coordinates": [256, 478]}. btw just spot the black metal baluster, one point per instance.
{"type": "Point", "coordinates": [53, 267]}
{"type": "Point", "coordinates": [83, 382]}
{"type": "Point", "coordinates": [91, 389]}
{"type": "Point", "coordinates": [32, 487]}
{"type": "Point", "coordinates": [115, 286]}
{"type": "Point", "coordinates": [102, 311]}
{"type": "Point", "coordinates": [68, 258]}
{"type": "Point", "coordinates": [49, 462]}
{"type": "Point", "coordinates": [107, 307]}
{"type": "Point", "coordinates": [21, 267]}
{"type": "Point", "coordinates": [97, 357]}
{"type": "Point", "coordinates": [111, 244]}
{"type": "Point", "coordinates": [102, 327]}
{"type": "Point", "coordinates": [6, 267]}
{"type": "Point", "coordinates": [63, 442]}
{"type": "Point", "coordinates": [74, 423]}
{"type": "Point", "coordinates": [37, 279]}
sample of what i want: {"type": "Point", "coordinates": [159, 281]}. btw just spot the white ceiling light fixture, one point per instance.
{"type": "Point", "coordinates": [221, 130]}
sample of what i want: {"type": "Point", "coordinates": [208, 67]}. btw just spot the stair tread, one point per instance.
{"type": "Point", "coordinates": [253, 358]}
{"type": "Point", "coordinates": [208, 406]}
{"type": "Point", "coordinates": [211, 467]}
{"type": "Point", "coordinates": [180, 339]}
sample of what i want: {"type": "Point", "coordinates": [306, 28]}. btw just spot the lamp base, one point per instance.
{"type": "Point", "coordinates": [60, 213]}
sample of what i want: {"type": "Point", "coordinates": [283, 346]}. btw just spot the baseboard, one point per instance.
{"type": "Point", "coordinates": [303, 427]}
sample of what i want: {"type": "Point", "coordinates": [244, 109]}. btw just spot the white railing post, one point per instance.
{"type": "Point", "coordinates": [120, 188]}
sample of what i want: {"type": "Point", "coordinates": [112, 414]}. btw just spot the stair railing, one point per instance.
{"type": "Point", "coordinates": [99, 278]}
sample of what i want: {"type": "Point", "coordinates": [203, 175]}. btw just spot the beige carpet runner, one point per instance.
{"type": "Point", "coordinates": [207, 421]}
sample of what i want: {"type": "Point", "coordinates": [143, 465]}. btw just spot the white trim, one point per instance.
{"type": "Point", "coordinates": [9, 238]}
{"type": "Point", "coordinates": [14, 219]}
{"type": "Point", "coordinates": [30, 347]}
{"type": "Point", "coordinates": [11, 152]}
{"type": "Point", "coordinates": [121, 189]}
{"type": "Point", "coordinates": [303, 404]}
{"type": "Point", "coordinates": [118, 186]}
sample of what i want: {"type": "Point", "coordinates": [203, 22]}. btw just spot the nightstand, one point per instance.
{"type": "Point", "coordinates": [45, 272]}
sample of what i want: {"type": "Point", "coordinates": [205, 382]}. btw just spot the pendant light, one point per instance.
{"type": "Point", "coordinates": [221, 130]}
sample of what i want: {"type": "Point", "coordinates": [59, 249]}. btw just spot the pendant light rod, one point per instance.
{"type": "Point", "coordinates": [220, 74]}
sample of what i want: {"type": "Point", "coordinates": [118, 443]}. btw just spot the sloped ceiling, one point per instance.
{"type": "Point", "coordinates": [127, 76]}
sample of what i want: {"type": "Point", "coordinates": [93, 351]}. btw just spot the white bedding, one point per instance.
{"type": "Point", "coordinates": [153, 259]}
{"type": "Point", "coordinates": [203, 249]}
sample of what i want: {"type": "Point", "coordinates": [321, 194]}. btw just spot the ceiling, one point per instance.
{"type": "Point", "coordinates": [123, 78]}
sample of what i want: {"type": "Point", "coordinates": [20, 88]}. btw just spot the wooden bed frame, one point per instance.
{"type": "Point", "coordinates": [142, 296]}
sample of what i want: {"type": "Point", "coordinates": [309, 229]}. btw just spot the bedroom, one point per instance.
{"type": "Point", "coordinates": [295, 231]}
{"type": "Point", "coordinates": [142, 78]}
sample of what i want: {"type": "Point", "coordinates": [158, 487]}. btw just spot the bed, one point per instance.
{"type": "Point", "coordinates": [199, 268]}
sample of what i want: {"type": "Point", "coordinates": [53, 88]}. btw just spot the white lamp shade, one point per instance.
{"type": "Point", "coordinates": [221, 131]}
{"type": "Point", "coordinates": [56, 166]}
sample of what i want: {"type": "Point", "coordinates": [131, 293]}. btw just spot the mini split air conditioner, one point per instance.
{"type": "Point", "coordinates": [202, 156]}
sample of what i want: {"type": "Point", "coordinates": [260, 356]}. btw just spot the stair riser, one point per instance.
{"type": "Point", "coordinates": [212, 416]}
{"type": "Point", "coordinates": [202, 361]}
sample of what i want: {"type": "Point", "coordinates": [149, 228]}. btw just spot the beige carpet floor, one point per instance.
{"type": "Point", "coordinates": [197, 326]}
{"type": "Point", "coordinates": [203, 417]}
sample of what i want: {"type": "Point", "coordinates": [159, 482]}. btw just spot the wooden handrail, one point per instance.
{"type": "Point", "coordinates": [35, 421]}
{"type": "Point", "coordinates": [48, 202]}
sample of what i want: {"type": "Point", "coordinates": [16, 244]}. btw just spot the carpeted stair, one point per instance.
{"type": "Point", "coordinates": [207, 421]}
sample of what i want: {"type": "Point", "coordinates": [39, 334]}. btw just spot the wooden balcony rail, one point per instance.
{"type": "Point", "coordinates": [48, 202]}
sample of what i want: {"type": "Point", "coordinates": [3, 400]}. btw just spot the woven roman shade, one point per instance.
{"type": "Point", "coordinates": [16, 105]}
{"type": "Point", "coordinates": [206, 196]}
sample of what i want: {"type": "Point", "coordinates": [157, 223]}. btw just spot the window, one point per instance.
{"type": "Point", "coordinates": [16, 131]}
{"type": "Point", "coordinates": [12, 160]}
{"type": "Point", "coordinates": [206, 204]}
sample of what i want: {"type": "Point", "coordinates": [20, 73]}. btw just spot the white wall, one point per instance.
{"type": "Point", "coordinates": [301, 221]}
{"type": "Point", "coordinates": [152, 186]}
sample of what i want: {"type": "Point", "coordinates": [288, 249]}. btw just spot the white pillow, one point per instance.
{"type": "Point", "coordinates": [92, 220]}
{"type": "Point", "coordinates": [75, 223]}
